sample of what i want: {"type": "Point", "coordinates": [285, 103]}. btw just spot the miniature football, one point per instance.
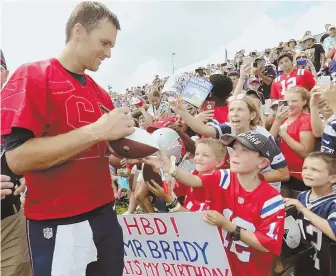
{"type": "Point", "coordinates": [139, 144]}
{"type": "Point", "coordinates": [149, 173]}
{"type": "Point", "coordinates": [115, 161]}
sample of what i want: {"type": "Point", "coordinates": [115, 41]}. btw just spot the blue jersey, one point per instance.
{"type": "Point", "coordinates": [323, 262]}
{"type": "Point", "coordinates": [328, 143]}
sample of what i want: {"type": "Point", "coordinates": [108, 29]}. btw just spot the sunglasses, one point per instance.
{"type": "Point", "coordinates": [239, 96]}
{"type": "Point", "coordinates": [301, 57]}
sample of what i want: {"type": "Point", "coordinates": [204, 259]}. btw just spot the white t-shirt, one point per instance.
{"type": "Point", "coordinates": [164, 107]}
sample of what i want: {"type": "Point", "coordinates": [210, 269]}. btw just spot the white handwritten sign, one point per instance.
{"type": "Point", "coordinates": [172, 245]}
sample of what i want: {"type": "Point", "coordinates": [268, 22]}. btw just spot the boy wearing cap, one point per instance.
{"type": "Point", "coordinates": [248, 211]}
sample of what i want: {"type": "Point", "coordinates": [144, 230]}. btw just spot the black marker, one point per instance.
{"type": "Point", "coordinates": [104, 109]}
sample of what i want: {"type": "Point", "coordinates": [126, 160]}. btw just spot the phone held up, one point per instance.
{"type": "Point", "coordinates": [283, 103]}
{"type": "Point", "coordinates": [301, 62]}
{"type": "Point", "coordinates": [207, 105]}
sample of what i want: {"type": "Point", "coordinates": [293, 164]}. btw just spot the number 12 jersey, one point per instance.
{"type": "Point", "coordinates": [298, 77]}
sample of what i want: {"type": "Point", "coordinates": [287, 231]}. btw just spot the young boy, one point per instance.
{"type": "Point", "coordinates": [208, 151]}
{"type": "Point", "coordinates": [241, 202]}
{"type": "Point", "coordinates": [317, 214]}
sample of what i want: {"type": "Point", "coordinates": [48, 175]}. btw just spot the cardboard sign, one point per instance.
{"type": "Point", "coordinates": [172, 245]}
{"type": "Point", "coordinates": [196, 91]}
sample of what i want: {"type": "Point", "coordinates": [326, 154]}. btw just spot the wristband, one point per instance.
{"type": "Point", "coordinates": [173, 172]}
{"type": "Point", "coordinates": [176, 208]}
{"type": "Point", "coordinates": [172, 204]}
{"type": "Point", "coordinates": [235, 235]}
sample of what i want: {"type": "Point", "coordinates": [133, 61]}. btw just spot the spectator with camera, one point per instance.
{"type": "Point", "coordinates": [302, 62]}
{"type": "Point", "coordinates": [314, 52]}
{"type": "Point", "coordinates": [266, 75]}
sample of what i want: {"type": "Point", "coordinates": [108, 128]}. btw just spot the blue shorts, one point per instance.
{"type": "Point", "coordinates": [90, 244]}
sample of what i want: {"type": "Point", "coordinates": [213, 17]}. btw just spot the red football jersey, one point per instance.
{"type": "Point", "coordinates": [294, 161]}
{"type": "Point", "coordinates": [44, 98]}
{"type": "Point", "coordinates": [298, 77]}
{"type": "Point", "coordinates": [221, 114]}
{"type": "Point", "coordinates": [195, 199]}
{"type": "Point", "coordinates": [260, 211]}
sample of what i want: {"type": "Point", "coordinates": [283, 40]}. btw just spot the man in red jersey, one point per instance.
{"type": "Point", "coordinates": [291, 77]}
{"type": "Point", "coordinates": [55, 133]}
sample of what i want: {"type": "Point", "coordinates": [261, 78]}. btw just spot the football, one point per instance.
{"type": "Point", "coordinates": [149, 173]}
{"type": "Point", "coordinates": [115, 161]}
{"type": "Point", "coordinates": [139, 144]}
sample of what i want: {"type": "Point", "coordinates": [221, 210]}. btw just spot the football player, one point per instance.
{"type": "Point", "coordinates": [55, 135]}
{"type": "Point", "coordinates": [317, 214]}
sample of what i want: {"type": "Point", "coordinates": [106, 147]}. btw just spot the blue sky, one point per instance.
{"type": "Point", "coordinates": [152, 30]}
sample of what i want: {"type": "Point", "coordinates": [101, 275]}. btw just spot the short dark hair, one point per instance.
{"type": "Point", "coordinates": [289, 55]}
{"type": "Point", "coordinates": [222, 85]}
{"type": "Point", "coordinates": [327, 158]}
{"type": "Point", "coordinates": [89, 14]}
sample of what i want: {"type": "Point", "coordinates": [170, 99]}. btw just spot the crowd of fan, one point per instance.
{"type": "Point", "coordinates": [294, 67]}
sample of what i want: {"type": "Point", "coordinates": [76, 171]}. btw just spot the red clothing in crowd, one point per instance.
{"type": "Point", "coordinates": [298, 77]}
{"type": "Point", "coordinates": [294, 161]}
{"type": "Point", "coordinates": [260, 211]}
{"type": "Point", "coordinates": [221, 114]}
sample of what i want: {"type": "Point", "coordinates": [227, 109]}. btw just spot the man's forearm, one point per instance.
{"type": "Point", "coordinates": [265, 79]}
{"type": "Point", "coordinates": [46, 152]}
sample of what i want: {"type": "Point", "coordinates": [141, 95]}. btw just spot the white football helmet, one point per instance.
{"type": "Point", "coordinates": [169, 141]}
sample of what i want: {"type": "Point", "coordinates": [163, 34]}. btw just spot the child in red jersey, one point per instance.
{"type": "Point", "coordinates": [209, 157]}
{"type": "Point", "coordinates": [249, 212]}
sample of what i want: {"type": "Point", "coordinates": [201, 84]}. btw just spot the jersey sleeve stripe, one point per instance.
{"type": "Point", "coordinates": [225, 179]}
{"type": "Point", "coordinates": [330, 130]}
{"type": "Point", "coordinates": [332, 215]}
{"type": "Point", "coordinates": [272, 206]}
{"type": "Point", "coordinates": [217, 128]}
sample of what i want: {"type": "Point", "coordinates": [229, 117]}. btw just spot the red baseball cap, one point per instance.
{"type": "Point", "coordinates": [161, 123]}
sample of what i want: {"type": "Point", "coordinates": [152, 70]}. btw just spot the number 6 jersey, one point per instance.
{"type": "Point", "coordinates": [260, 211]}
{"type": "Point", "coordinates": [46, 99]}
{"type": "Point", "coordinates": [324, 261]}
